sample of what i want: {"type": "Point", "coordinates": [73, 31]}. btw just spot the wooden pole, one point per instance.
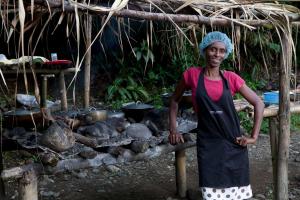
{"type": "Point", "coordinates": [87, 68]}
{"type": "Point", "coordinates": [63, 91]}
{"type": "Point", "coordinates": [180, 173]}
{"type": "Point", "coordinates": [28, 189]}
{"type": "Point", "coordinates": [273, 130]}
{"type": "Point", "coordinates": [2, 188]}
{"type": "Point", "coordinates": [284, 118]}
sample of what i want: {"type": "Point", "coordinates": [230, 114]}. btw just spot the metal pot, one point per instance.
{"type": "Point", "coordinates": [115, 114]}
{"type": "Point", "coordinates": [96, 115]}
{"type": "Point", "coordinates": [136, 110]}
{"type": "Point", "coordinates": [22, 118]}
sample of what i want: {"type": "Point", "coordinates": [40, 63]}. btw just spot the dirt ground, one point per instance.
{"type": "Point", "coordinates": [155, 179]}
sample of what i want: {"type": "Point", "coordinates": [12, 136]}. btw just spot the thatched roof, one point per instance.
{"type": "Point", "coordinates": [23, 15]}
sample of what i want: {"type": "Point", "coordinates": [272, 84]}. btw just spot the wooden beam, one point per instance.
{"type": "Point", "coordinates": [87, 66]}
{"type": "Point", "coordinates": [284, 118]}
{"type": "Point", "coordinates": [273, 131]}
{"type": "Point", "coordinates": [144, 15]}
{"type": "Point", "coordinates": [177, 18]}
{"type": "Point", "coordinates": [274, 111]}
{"type": "Point", "coordinates": [180, 173]}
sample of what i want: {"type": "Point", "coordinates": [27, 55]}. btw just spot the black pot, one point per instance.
{"type": "Point", "coordinates": [136, 111]}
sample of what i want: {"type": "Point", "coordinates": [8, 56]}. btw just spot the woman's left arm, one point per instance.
{"type": "Point", "coordinates": [258, 104]}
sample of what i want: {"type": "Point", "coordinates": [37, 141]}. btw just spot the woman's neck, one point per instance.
{"type": "Point", "coordinates": [212, 73]}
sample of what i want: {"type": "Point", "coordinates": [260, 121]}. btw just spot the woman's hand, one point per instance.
{"type": "Point", "coordinates": [244, 140]}
{"type": "Point", "coordinates": [175, 138]}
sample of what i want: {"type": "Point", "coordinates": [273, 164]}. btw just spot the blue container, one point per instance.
{"type": "Point", "coordinates": [271, 97]}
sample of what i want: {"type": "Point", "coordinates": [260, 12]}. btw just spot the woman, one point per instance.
{"type": "Point", "coordinates": [221, 148]}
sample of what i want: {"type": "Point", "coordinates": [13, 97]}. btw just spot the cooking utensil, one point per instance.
{"type": "Point", "coordinates": [136, 110]}
{"type": "Point", "coordinates": [115, 114]}
{"type": "Point", "coordinates": [22, 118]}
{"type": "Point", "coordinates": [96, 115]}
{"type": "Point", "coordinates": [185, 102]}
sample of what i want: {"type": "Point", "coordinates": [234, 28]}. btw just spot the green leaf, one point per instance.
{"type": "Point", "coordinates": [138, 55]}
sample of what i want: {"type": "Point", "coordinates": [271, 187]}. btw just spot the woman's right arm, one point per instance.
{"type": "Point", "coordinates": [174, 136]}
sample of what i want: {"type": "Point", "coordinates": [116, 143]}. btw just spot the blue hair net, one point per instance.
{"type": "Point", "coordinates": [216, 36]}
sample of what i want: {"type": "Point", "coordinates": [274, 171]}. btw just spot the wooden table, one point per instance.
{"type": "Point", "coordinates": [62, 84]}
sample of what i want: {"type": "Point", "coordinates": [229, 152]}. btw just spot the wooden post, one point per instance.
{"type": "Point", "coordinates": [180, 173]}
{"type": "Point", "coordinates": [28, 189]}
{"type": "Point", "coordinates": [2, 189]}
{"type": "Point", "coordinates": [273, 130]}
{"type": "Point", "coordinates": [284, 118]}
{"type": "Point", "coordinates": [87, 67]}
{"type": "Point", "coordinates": [63, 92]}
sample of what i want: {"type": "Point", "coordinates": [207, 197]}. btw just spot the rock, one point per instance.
{"type": "Point", "coordinates": [260, 196]}
{"type": "Point", "coordinates": [112, 169]}
{"type": "Point", "coordinates": [49, 159]}
{"type": "Point", "coordinates": [45, 180]}
{"type": "Point", "coordinates": [297, 159]}
{"type": "Point", "coordinates": [109, 160]}
{"type": "Point", "coordinates": [93, 131]}
{"type": "Point", "coordinates": [118, 124]}
{"type": "Point", "coordinates": [160, 118]}
{"type": "Point", "coordinates": [138, 131]}
{"type": "Point", "coordinates": [139, 146]}
{"type": "Point", "coordinates": [49, 194]}
{"type": "Point", "coordinates": [81, 174]}
{"type": "Point", "coordinates": [89, 154]}
{"type": "Point", "coordinates": [153, 128]}
{"type": "Point", "coordinates": [58, 137]}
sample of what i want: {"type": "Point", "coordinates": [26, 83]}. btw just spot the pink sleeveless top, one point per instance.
{"type": "Point", "coordinates": [214, 88]}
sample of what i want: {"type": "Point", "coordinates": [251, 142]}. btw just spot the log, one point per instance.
{"type": "Point", "coordinates": [79, 163]}
{"type": "Point", "coordinates": [177, 18]}
{"type": "Point", "coordinates": [17, 172]}
{"type": "Point", "coordinates": [180, 173]}
{"type": "Point", "coordinates": [284, 118]}
{"type": "Point", "coordinates": [273, 111]}
{"type": "Point", "coordinates": [273, 131]}
{"type": "Point", "coordinates": [86, 141]}
{"type": "Point", "coordinates": [28, 189]}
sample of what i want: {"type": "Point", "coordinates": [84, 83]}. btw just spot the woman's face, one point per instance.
{"type": "Point", "coordinates": [215, 54]}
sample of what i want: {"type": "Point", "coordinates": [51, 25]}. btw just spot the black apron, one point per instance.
{"type": "Point", "coordinates": [222, 163]}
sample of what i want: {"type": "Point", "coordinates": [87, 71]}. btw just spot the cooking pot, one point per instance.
{"type": "Point", "coordinates": [115, 114]}
{"type": "Point", "coordinates": [185, 102]}
{"type": "Point", "coordinates": [96, 115]}
{"type": "Point", "coordinates": [136, 110]}
{"type": "Point", "coordinates": [23, 118]}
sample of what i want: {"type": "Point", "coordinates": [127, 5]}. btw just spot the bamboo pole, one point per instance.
{"type": "Point", "coordinates": [87, 67]}
{"type": "Point", "coordinates": [180, 173]}
{"type": "Point", "coordinates": [284, 119]}
{"type": "Point", "coordinates": [273, 130]}
{"type": "Point", "coordinates": [28, 189]}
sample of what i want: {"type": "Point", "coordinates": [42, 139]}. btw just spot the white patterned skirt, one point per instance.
{"type": "Point", "coordinates": [232, 193]}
